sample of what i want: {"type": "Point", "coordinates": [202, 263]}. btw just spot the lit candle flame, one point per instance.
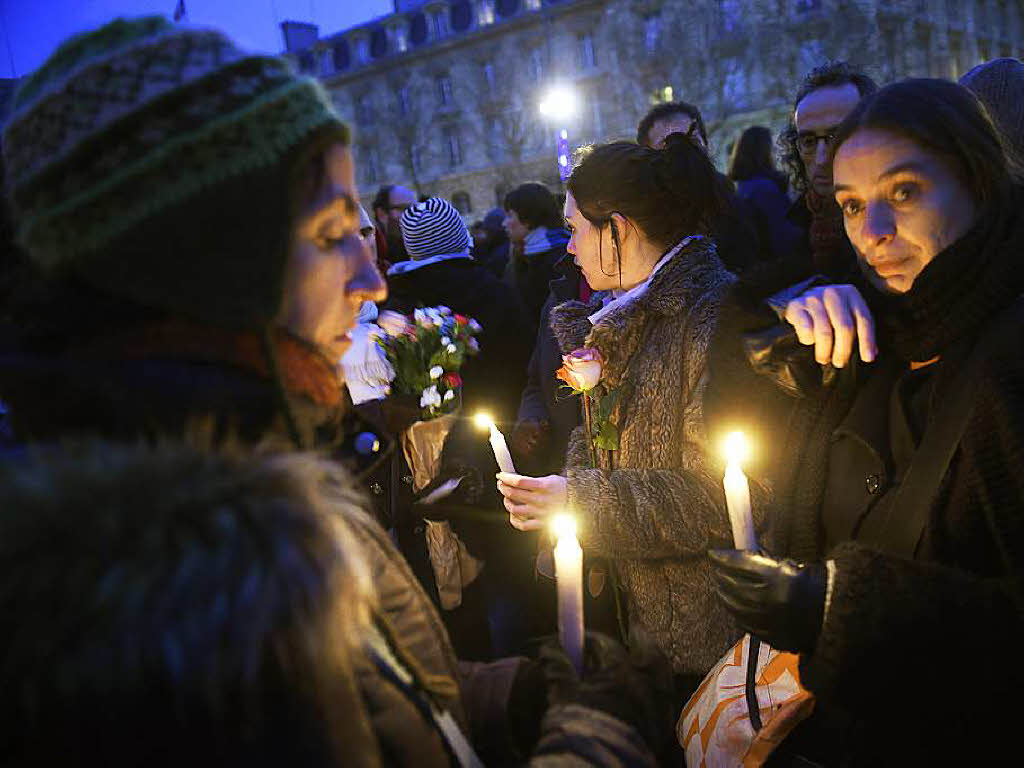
{"type": "Point", "coordinates": [737, 449]}
{"type": "Point", "coordinates": [483, 420]}
{"type": "Point", "coordinates": [563, 526]}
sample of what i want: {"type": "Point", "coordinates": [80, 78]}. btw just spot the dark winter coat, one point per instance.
{"type": "Point", "coordinates": [494, 379]}
{"type": "Point", "coordinates": [176, 386]}
{"type": "Point", "coordinates": [544, 399]}
{"type": "Point", "coordinates": [735, 232]}
{"type": "Point", "coordinates": [928, 627]}
{"type": "Point", "coordinates": [657, 506]}
{"type": "Point", "coordinates": [768, 205]}
{"type": "Point", "coordinates": [532, 273]}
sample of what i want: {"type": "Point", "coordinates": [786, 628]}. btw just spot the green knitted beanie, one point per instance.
{"type": "Point", "coordinates": [158, 163]}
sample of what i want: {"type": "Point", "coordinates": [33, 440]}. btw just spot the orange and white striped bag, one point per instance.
{"type": "Point", "coordinates": [715, 728]}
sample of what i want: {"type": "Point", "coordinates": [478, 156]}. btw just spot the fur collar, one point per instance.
{"type": "Point", "coordinates": [690, 275]}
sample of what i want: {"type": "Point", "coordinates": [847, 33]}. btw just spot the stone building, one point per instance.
{"type": "Point", "coordinates": [444, 94]}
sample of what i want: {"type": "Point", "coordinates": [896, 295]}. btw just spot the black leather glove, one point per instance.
{"type": "Point", "coordinates": [780, 601]}
{"type": "Point", "coordinates": [633, 686]}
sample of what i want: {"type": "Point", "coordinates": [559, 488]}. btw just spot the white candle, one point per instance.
{"type": "Point", "coordinates": [737, 494]}
{"type": "Point", "coordinates": [498, 445]}
{"type": "Point", "coordinates": [569, 576]}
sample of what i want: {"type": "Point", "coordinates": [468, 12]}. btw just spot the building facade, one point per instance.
{"type": "Point", "coordinates": [444, 94]}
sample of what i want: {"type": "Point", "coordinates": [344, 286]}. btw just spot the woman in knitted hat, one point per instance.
{"type": "Point", "coordinates": [191, 211]}
{"type": "Point", "coordinates": [898, 485]}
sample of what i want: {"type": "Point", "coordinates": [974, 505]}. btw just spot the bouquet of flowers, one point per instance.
{"type": "Point", "coordinates": [426, 352]}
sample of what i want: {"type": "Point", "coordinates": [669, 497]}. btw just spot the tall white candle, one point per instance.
{"type": "Point", "coordinates": [498, 444]}
{"type": "Point", "coordinates": [569, 576]}
{"type": "Point", "coordinates": [737, 494]}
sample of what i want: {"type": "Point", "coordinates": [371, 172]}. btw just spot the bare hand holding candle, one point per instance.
{"type": "Point", "coordinates": [498, 444]}
{"type": "Point", "coordinates": [569, 575]}
{"type": "Point", "coordinates": [737, 493]}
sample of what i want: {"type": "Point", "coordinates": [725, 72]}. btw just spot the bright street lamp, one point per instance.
{"type": "Point", "coordinates": [559, 105]}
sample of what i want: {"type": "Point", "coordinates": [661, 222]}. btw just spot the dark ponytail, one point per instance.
{"type": "Point", "coordinates": [668, 193]}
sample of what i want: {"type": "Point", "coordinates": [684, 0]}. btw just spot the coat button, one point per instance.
{"type": "Point", "coordinates": [376, 489]}
{"type": "Point", "coordinates": [407, 479]}
{"type": "Point", "coordinates": [873, 483]}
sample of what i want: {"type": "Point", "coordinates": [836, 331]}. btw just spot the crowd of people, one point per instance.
{"type": "Point", "coordinates": [212, 547]}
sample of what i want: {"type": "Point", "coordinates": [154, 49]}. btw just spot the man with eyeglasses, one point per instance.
{"type": "Point", "coordinates": [388, 207]}
{"type": "Point", "coordinates": [826, 96]}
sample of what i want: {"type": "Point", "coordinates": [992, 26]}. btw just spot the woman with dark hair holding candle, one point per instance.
{"type": "Point", "coordinates": [650, 507]}
{"type": "Point", "coordinates": [898, 487]}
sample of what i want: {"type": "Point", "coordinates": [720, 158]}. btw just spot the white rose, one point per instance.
{"type": "Point", "coordinates": [451, 349]}
{"type": "Point", "coordinates": [436, 371]}
{"type": "Point", "coordinates": [449, 395]}
{"type": "Point", "coordinates": [430, 398]}
{"type": "Point", "coordinates": [445, 341]}
{"type": "Point", "coordinates": [393, 323]}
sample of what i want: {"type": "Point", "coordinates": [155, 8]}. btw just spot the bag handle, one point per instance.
{"type": "Point", "coordinates": [923, 480]}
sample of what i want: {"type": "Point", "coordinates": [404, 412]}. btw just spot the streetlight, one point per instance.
{"type": "Point", "coordinates": [559, 105]}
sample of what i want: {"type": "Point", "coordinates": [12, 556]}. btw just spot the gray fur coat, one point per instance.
{"type": "Point", "coordinates": [656, 506]}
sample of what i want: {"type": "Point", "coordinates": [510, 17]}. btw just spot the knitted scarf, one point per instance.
{"type": "Point", "coordinates": [830, 248]}
{"type": "Point", "coordinates": [960, 291]}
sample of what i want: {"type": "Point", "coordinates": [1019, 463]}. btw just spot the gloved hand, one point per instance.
{"type": "Point", "coordinates": [780, 601]}
{"type": "Point", "coordinates": [633, 686]}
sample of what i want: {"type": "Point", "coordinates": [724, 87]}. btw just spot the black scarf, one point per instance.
{"type": "Point", "coordinates": [962, 288]}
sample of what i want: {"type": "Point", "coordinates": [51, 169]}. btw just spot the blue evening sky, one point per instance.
{"type": "Point", "coordinates": [31, 29]}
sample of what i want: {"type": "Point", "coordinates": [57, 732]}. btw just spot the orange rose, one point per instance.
{"type": "Point", "coordinates": [581, 369]}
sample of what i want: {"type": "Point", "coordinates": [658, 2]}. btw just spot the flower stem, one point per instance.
{"type": "Point", "coordinates": [587, 422]}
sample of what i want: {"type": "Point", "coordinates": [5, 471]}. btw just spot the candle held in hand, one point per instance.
{"type": "Point", "coordinates": [498, 445]}
{"type": "Point", "coordinates": [569, 576]}
{"type": "Point", "coordinates": [737, 493]}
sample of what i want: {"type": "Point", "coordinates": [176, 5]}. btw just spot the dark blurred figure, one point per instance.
{"type": "Point", "coordinates": [440, 271]}
{"type": "Point", "coordinates": [763, 189]}
{"type": "Point", "coordinates": [490, 242]}
{"type": "Point", "coordinates": [733, 230]}
{"type": "Point", "coordinates": [999, 84]}
{"type": "Point", "coordinates": [538, 236]}
{"type": "Point", "coordinates": [388, 207]}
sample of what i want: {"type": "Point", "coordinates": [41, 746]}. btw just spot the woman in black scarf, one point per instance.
{"type": "Point", "coordinates": [899, 491]}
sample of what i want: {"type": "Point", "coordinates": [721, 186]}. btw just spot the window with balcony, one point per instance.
{"type": "Point", "coordinates": [371, 165]}
{"type": "Point", "coordinates": [732, 14]}
{"type": "Point", "coordinates": [451, 140]}
{"type": "Point", "coordinates": [438, 24]}
{"type": "Point", "coordinates": [484, 13]}
{"type": "Point", "coordinates": [652, 32]}
{"type": "Point", "coordinates": [364, 109]}
{"type": "Point", "coordinates": [585, 45]}
{"type": "Point", "coordinates": [362, 50]}
{"type": "Point", "coordinates": [489, 77]}
{"type": "Point", "coordinates": [507, 8]}
{"type": "Point", "coordinates": [537, 64]}
{"type": "Point", "coordinates": [400, 39]}
{"type": "Point", "coordinates": [444, 91]}
{"type": "Point", "coordinates": [326, 62]}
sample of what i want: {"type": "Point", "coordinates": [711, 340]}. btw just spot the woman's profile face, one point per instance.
{"type": "Point", "coordinates": [588, 245]}
{"type": "Point", "coordinates": [331, 269]}
{"type": "Point", "coordinates": [902, 205]}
